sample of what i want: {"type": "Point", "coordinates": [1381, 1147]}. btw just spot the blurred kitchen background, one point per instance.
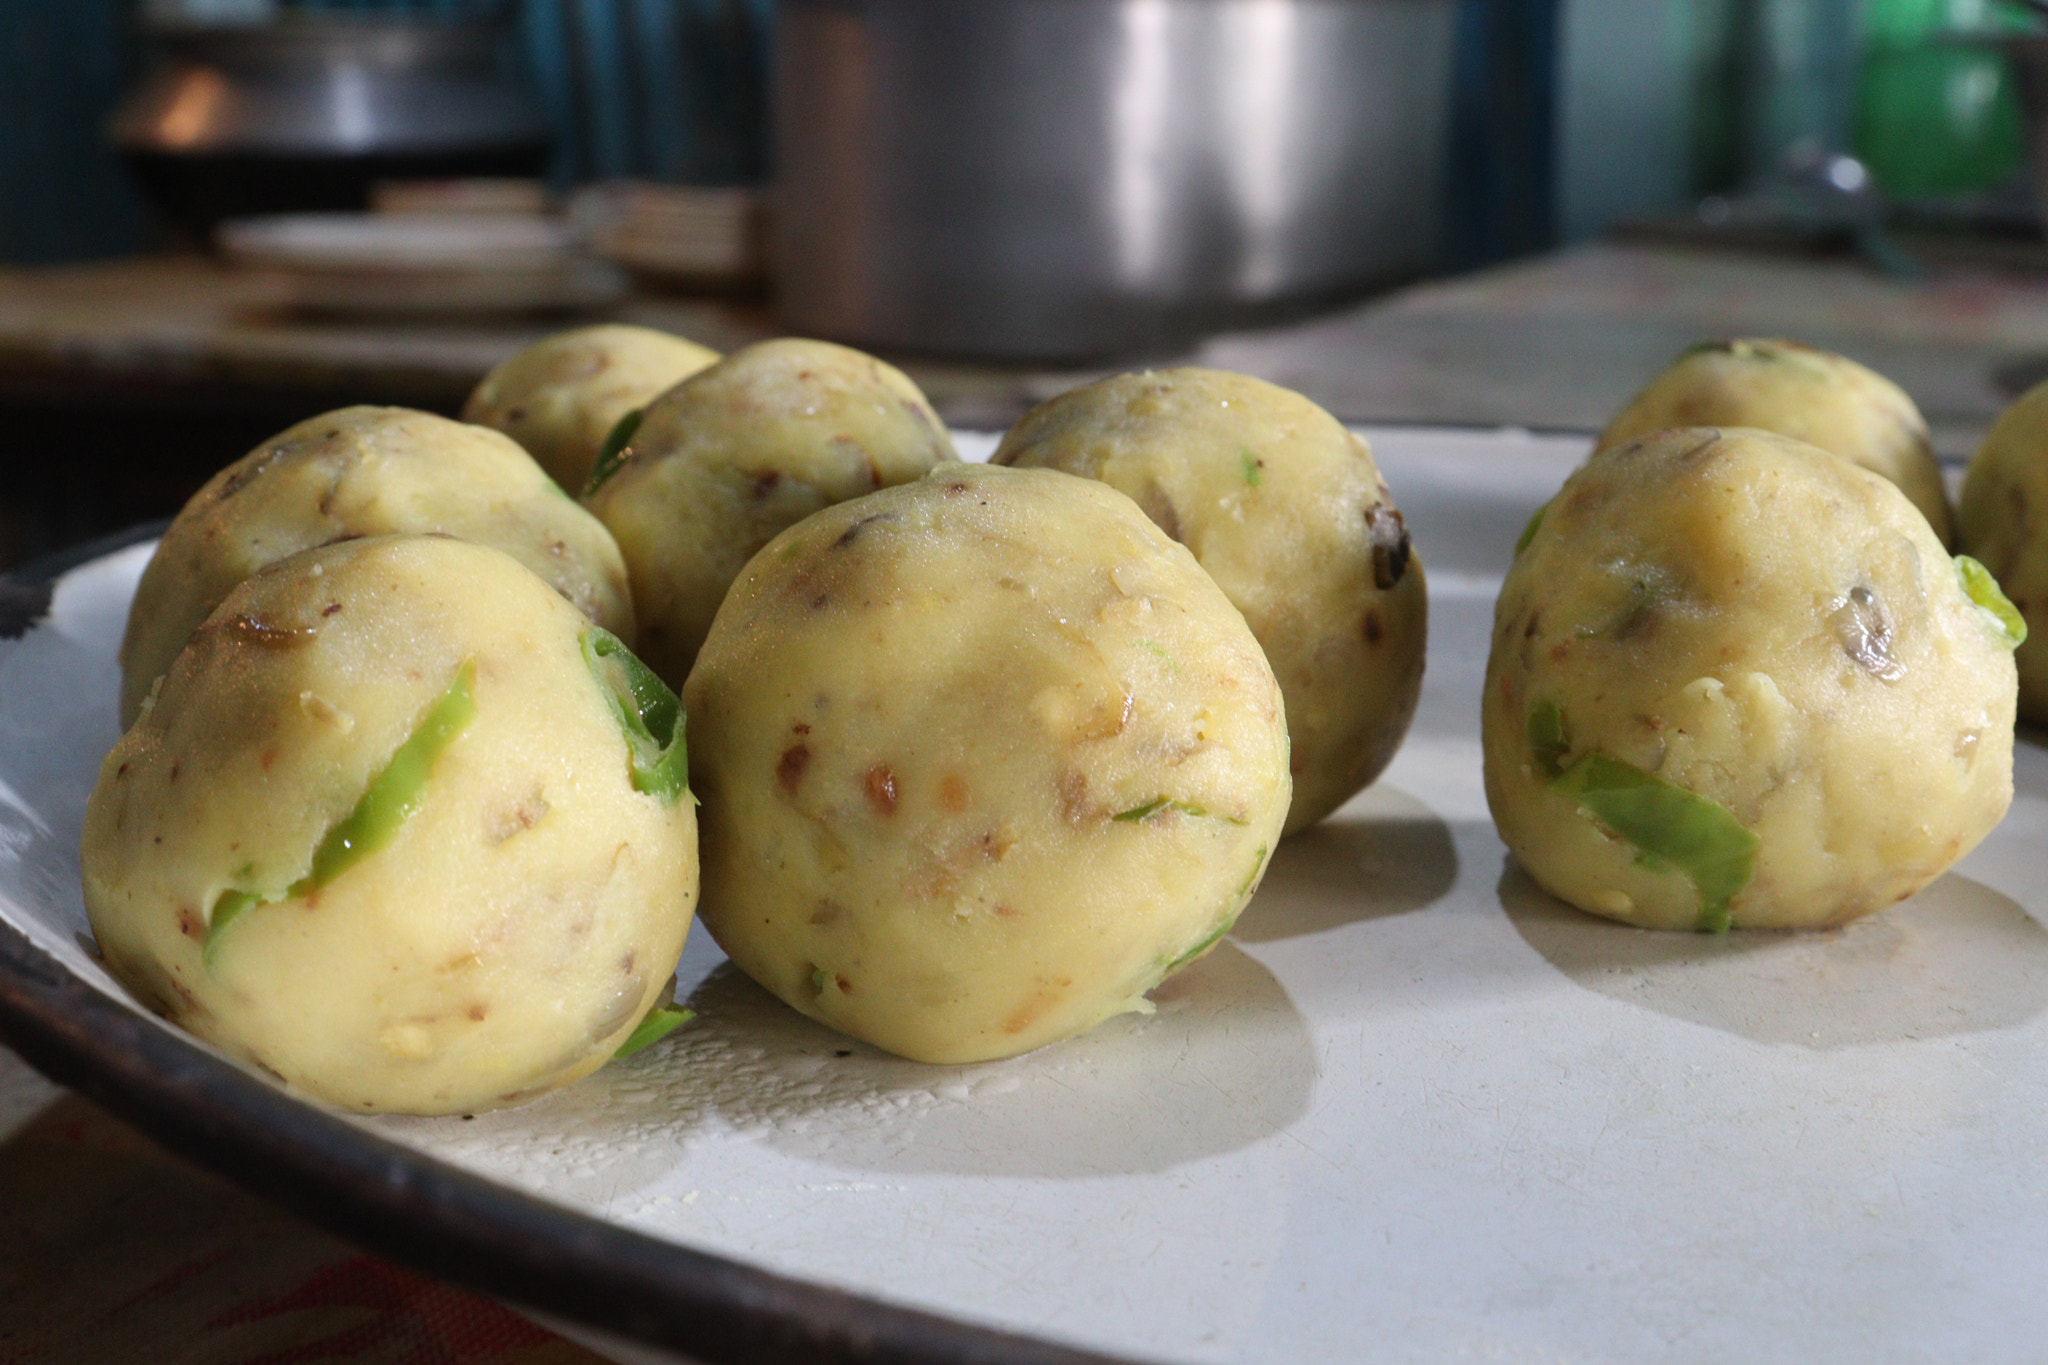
{"type": "Point", "coordinates": [1488, 211]}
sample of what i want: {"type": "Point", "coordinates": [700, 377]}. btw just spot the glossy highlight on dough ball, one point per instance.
{"type": "Point", "coordinates": [983, 759]}
{"type": "Point", "coordinates": [561, 397]}
{"type": "Point", "coordinates": [727, 459]}
{"type": "Point", "coordinates": [363, 471]}
{"type": "Point", "coordinates": [1803, 392]}
{"type": "Point", "coordinates": [1287, 512]}
{"type": "Point", "coordinates": [1737, 682]}
{"type": "Point", "coordinates": [2003, 521]}
{"type": "Point", "coordinates": [400, 829]}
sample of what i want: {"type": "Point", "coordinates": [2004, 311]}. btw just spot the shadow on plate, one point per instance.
{"type": "Point", "coordinates": [1225, 1062]}
{"type": "Point", "coordinates": [1384, 854]}
{"type": "Point", "coordinates": [1957, 958]}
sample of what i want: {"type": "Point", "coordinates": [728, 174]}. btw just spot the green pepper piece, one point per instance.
{"type": "Point", "coordinates": [612, 454]}
{"type": "Point", "coordinates": [648, 713]}
{"type": "Point", "coordinates": [1156, 648]}
{"type": "Point", "coordinates": [227, 908]}
{"type": "Point", "coordinates": [1204, 946]}
{"type": "Point", "coordinates": [1985, 592]}
{"type": "Point", "coordinates": [1237, 904]}
{"type": "Point", "coordinates": [393, 797]}
{"type": "Point", "coordinates": [1244, 893]}
{"type": "Point", "coordinates": [1668, 825]}
{"type": "Point", "coordinates": [394, 794]}
{"type": "Point", "coordinates": [1159, 805]}
{"type": "Point", "coordinates": [660, 1022]}
{"type": "Point", "coordinates": [1254, 472]}
{"type": "Point", "coordinates": [1529, 531]}
{"type": "Point", "coordinates": [1549, 741]}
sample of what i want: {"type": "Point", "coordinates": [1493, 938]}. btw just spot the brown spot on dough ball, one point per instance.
{"type": "Point", "coordinates": [789, 771]}
{"type": "Point", "coordinates": [881, 788]}
{"type": "Point", "coordinates": [1374, 631]}
{"type": "Point", "coordinates": [1388, 532]}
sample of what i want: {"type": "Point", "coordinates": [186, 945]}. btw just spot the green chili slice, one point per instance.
{"type": "Point", "coordinates": [1985, 592]}
{"type": "Point", "coordinates": [612, 454]}
{"type": "Point", "coordinates": [1159, 805]}
{"type": "Point", "coordinates": [648, 713]}
{"type": "Point", "coordinates": [1204, 946]}
{"type": "Point", "coordinates": [660, 1022]}
{"type": "Point", "coordinates": [393, 797]}
{"type": "Point", "coordinates": [1669, 826]}
{"type": "Point", "coordinates": [1548, 740]}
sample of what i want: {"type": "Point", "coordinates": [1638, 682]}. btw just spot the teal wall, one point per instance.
{"type": "Point", "coordinates": [1625, 98]}
{"type": "Point", "coordinates": [63, 64]}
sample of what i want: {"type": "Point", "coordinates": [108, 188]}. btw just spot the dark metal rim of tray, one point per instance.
{"type": "Point", "coordinates": [431, 1216]}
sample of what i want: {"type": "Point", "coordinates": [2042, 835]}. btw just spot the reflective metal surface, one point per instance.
{"type": "Point", "coordinates": [309, 113]}
{"type": "Point", "coordinates": [333, 86]}
{"type": "Point", "coordinates": [1079, 178]}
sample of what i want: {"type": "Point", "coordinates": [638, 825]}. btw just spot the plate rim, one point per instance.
{"type": "Point", "coordinates": [429, 1215]}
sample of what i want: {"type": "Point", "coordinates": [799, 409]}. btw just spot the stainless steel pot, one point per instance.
{"type": "Point", "coordinates": [306, 113]}
{"type": "Point", "coordinates": [1074, 179]}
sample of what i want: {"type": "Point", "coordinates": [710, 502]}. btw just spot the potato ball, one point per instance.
{"type": "Point", "coordinates": [1802, 392]}
{"type": "Point", "coordinates": [1289, 515]}
{"type": "Point", "coordinates": [1735, 681]}
{"type": "Point", "coordinates": [2003, 520]}
{"type": "Point", "coordinates": [722, 462]}
{"type": "Point", "coordinates": [563, 397]}
{"type": "Point", "coordinates": [402, 828]}
{"type": "Point", "coordinates": [983, 759]}
{"type": "Point", "coordinates": [363, 471]}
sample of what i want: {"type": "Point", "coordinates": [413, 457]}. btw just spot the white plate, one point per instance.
{"type": "Point", "coordinates": [1413, 1110]}
{"type": "Point", "coordinates": [422, 264]}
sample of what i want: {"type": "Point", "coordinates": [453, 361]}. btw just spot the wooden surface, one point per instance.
{"type": "Point", "coordinates": [1560, 341]}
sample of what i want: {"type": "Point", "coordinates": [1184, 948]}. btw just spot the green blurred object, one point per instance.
{"type": "Point", "coordinates": [1937, 109]}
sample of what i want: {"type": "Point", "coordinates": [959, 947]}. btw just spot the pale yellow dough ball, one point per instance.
{"type": "Point", "coordinates": [1736, 681]}
{"type": "Point", "coordinates": [562, 396]}
{"type": "Point", "coordinates": [383, 833]}
{"type": "Point", "coordinates": [722, 462]}
{"type": "Point", "coordinates": [1799, 391]}
{"type": "Point", "coordinates": [1288, 513]}
{"type": "Point", "coordinates": [983, 759]}
{"type": "Point", "coordinates": [363, 471]}
{"type": "Point", "coordinates": [2003, 520]}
